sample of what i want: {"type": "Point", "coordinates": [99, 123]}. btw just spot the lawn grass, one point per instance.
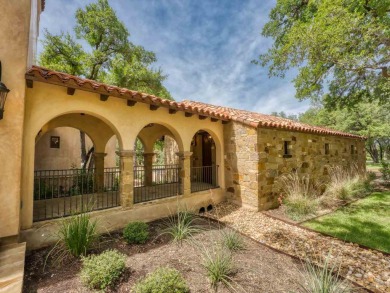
{"type": "Point", "coordinates": [371, 166]}
{"type": "Point", "coordinates": [366, 222]}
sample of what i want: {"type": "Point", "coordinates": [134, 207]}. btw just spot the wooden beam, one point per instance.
{"type": "Point", "coordinates": [172, 111]}
{"type": "Point", "coordinates": [225, 121]}
{"type": "Point", "coordinates": [201, 117]}
{"type": "Point", "coordinates": [153, 107]}
{"type": "Point", "coordinates": [214, 119]}
{"type": "Point", "coordinates": [29, 83]}
{"type": "Point", "coordinates": [103, 97]}
{"type": "Point", "coordinates": [70, 91]}
{"type": "Point", "coordinates": [131, 103]}
{"type": "Point", "coordinates": [188, 114]}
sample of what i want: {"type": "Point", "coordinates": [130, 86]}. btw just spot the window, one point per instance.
{"type": "Point", "coordinates": [353, 150]}
{"type": "Point", "coordinates": [287, 149]}
{"type": "Point", "coordinates": [327, 149]}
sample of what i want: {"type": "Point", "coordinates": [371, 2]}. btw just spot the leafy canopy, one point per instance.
{"type": "Point", "coordinates": [106, 55]}
{"type": "Point", "coordinates": [340, 47]}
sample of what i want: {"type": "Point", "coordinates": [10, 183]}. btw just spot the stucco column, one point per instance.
{"type": "Point", "coordinates": [99, 171]}
{"type": "Point", "coordinates": [126, 178]}
{"type": "Point", "coordinates": [185, 171]}
{"type": "Point", "coordinates": [148, 165]}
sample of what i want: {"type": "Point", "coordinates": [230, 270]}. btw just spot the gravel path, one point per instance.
{"type": "Point", "coordinates": [368, 268]}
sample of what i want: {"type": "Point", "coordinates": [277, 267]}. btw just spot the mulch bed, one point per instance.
{"type": "Point", "coordinates": [259, 269]}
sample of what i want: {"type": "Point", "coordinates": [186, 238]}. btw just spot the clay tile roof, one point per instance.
{"type": "Point", "coordinates": [252, 119]}
{"type": "Point", "coordinates": [43, 3]}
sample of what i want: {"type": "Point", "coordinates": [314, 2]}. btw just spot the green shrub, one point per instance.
{"type": "Point", "coordinates": [162, 280]}
{"type": "Point", "coordinates": [136, 232]}
{"type": "Point", "coordinates": [101, 271]}
{"type": "Point", "coordinates": [385, 170]}
{"type": "Point", "coordinates": [232, 240]}
{"type": "Point", "coordinates": [219, 267]}
{"type": "Point", "coordinates": [181, 226]}
{"type": "Point", "coordinates": [301, 196]}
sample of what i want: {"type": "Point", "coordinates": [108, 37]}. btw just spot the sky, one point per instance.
{"type": "Point", "coordinates": [204, 47]}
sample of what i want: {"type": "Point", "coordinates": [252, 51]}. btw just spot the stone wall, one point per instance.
{"type": "Point", "coordinates": [255, 158]}
{"type": "Point", "coordinates": [307, 156]}
{"type": "Point", "coordinates": [241, 164]}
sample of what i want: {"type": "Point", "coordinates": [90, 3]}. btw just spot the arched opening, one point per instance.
{"type": "Point", "coordinates": [204, 170]}
{"type": "Point", "coordinates": [73, 174]}
{"type": "Point", "coordinates": [156, 164]}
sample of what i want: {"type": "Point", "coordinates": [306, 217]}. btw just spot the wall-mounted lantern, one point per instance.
{"type": "Point", "coordinates": [3, 95]}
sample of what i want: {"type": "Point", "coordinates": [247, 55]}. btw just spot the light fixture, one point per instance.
{"type": "Point", "coordinates": [3, 95]}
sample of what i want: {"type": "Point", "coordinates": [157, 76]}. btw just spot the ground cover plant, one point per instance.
{"type": "Point", "coordinates": [366, 222]}
{"type": "Point", "coordinates": [162, 280]}
{"type": "Point", "coordinates": [101, 271]}
{"type": "Point", "coordinates": [136, 232]}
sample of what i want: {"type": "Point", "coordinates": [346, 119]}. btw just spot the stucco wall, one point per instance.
{"type": "Point", "coordinates": [14, 36]}
{"type": "Point", "coordinates": [68, 155]}
{"type": "Point", "coordinates": [46, 102]}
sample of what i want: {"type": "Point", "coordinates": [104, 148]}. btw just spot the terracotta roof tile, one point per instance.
{"type": "Point", "coordinates": [251, 119]}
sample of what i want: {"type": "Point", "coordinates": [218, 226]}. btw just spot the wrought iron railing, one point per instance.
{"type": "Point", "coordinates": [159, 181]}
{"type": "Point", "coordinates": [59, 193]}
{"type": "Point", "coordinates": [204, 178]}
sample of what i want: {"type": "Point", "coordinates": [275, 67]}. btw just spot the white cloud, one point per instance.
{"type": "Point", "coordinates": [205, 47]}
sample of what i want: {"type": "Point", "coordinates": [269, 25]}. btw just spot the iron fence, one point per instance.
{"type": "Point", "coordinates": [155, 182]}
{"type": "Point", "coordinates": [59, 193]}
{"type": "Point", "coordinates": [204, 178]}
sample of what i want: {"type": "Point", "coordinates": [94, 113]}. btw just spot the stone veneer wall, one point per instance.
{"type": "Point", "coordinates": [241, 164]}
{"type": "Point", "coordinates": [307, 157]}
{"type": "Point", "coordinates": [254, 158]}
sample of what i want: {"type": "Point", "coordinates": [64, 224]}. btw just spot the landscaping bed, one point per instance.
{"type": "Point", "coordinates": [258, 268]}
{"type": "Point", "coordinates": [369, 268]}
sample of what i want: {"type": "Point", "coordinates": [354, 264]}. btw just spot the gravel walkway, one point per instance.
{"type": "Point", "coordinates": [368, 268]}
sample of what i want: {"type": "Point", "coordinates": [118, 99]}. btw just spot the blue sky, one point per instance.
{"type": "Point", "coordinates": [205, 47]}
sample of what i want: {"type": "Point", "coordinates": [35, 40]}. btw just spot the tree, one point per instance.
{"type": "Point", "coordinates": [340, 47]}
{"type": "Point", "coordinates": [371, 120]}
{"type": "Point", "coordinates": [284, 115]}
{"type": "Point", "coordinates": [106, 55]}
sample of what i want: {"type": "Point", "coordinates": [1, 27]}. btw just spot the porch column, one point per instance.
{"type": "Point", "coordinates": [126, 178]}
{"type": "Point", "coordinates": [148, 165]}
{"type": "Point", "coordinates": [185, 171]}
{"type": "Point", "coordinates": [99, 171]}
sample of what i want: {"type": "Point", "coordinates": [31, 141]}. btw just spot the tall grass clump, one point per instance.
{"type": "Point", "coordinates": [300, 195]}
{"type": "Point", "coordinates": [181, 226]}
{"type": "Point", "coordinates": [76, 235]}
{"type": "Point", "coordinates": [323, 279]}
{"type": "Point", "coordinates": [344, 184]}
{"type": "Point", "coordinates": [232, 240]}
{"type": "Point", "coordinates": [219, 266]}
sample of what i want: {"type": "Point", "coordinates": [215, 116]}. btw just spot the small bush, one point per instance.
{"type": "Point", "coordinates": [385, 170]}
{"type": "Point", "coordinates": [320, 279]}
{"type": "Point", "coordinates": [370, 176]}
{"type": "Point", "coordinates": [162, 280]}
{"type": "Point", "coordinates": [232, 241]}
{"type": "Point", "coordinates": [136, 232]}
{"type": "Point", "coordinates": [219, 267]}
{"type": "Point", "coordinates": [181, 226]}
{"type": "Point", "coordinates": [300, 195]}
{"type": "Point", "coordinates": [101, 271]}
